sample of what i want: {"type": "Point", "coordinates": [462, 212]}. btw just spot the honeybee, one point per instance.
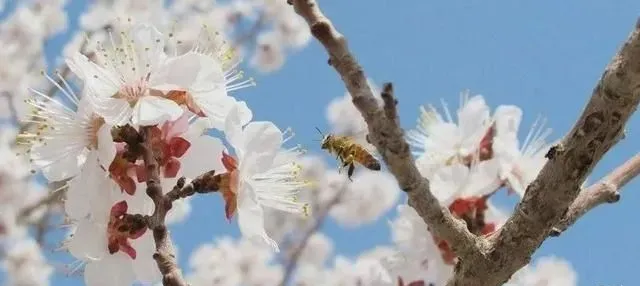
{"type": "Point", "coordinates": [349, 152]}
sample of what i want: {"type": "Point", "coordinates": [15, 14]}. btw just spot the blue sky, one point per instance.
{"type": "Point", "coordinates": [544, 56]}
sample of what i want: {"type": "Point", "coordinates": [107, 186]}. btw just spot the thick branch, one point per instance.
{"type": "Point", "coordinates": [385, 132]}
{"type": "Point", "coordinates": [165, 253]}
{"type": "Point", "coordinates": [605, 191]}
{"type": "Point", "coordinates": [548, 198]}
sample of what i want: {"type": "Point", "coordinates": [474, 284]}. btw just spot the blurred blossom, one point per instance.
{"type": "Point", "coordinates": [268, 55]}
{"type": "Point", "coordinates": [318, 249]}
{"type": "Point", "coordinates": [228, 262]}
{"type": "Point", "coordinates": [26, 265]}
{"type": "Point", "coordinates": [345, 119]}
{"type": "Point", "coordinates": [369, 196]}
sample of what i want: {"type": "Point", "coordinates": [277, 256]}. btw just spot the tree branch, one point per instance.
{"type": "Point", "coordinates": [205, 183]}
{"type": "Point", "coordinates": [547, 199]}
{"type": "Point", "coordinates": [165, 253]}
{"type": "Point", "coordinates": [549, 196]}
{"type": "Point", "coordinates": [385, 132]}
{"type": "Point", "coordinates": [605, 191]}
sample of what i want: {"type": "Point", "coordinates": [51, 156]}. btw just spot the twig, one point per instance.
{"type": "Point", "coordinates": [548, 197]}
{"type": "Point", "coordinates": [385, 132]}
{"type": "Point", "coordinates": [165, 253]}
{"type": "Point", "coordinates": [205, 183]}
{"type": "Point", "coordinates": [605, 191]}
{"type": "Point", "coordinates": [311, 229]}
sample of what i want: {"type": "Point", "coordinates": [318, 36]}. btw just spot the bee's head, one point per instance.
{"type": "Point", "coordinates": [325, 143]}
{"type": "Point", "coordinates": [326, 139]}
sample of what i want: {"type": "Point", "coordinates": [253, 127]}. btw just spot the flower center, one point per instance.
{"type": "Point", "coordinates": [134, 91]}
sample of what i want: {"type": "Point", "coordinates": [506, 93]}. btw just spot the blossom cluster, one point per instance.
{"type": "Point", "coordinates": [158, 76]}
{"type": "Point", "coordinates": [464, 181]}
{"type": "Point", "coordinates": [136, 98]}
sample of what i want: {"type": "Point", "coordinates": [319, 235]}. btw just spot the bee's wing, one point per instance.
{"type": "Point", "coordinates": [362, 141]}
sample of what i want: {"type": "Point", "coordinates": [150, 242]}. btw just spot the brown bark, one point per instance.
{"type": "Point", "coordinates": [547, 200]}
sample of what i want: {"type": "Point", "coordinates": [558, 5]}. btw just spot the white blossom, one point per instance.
{"type": "Point", "coordinates": [233, 263]}
{"type": "Point", "coordinates": [369, 196]}
{"type": "Point", "coordinates": [519, 166]}
{"type": "Point", "coordinates": [26, 265]}
{"type": "Point", "coordinates": [263, 175]}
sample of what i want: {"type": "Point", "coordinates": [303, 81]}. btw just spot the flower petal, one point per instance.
{"type": "Point", "coordinates": [251, 218]}
{"type": "Point", "coordinates": [89, 241]}
{"type": "Point", "coordinates": [106, 147]}
{"type": "Point", "coordinates": [177, 73]}
{"type": "Point", "coordinates": [216, 105]}
{"type": "Point", "coordinates": [111, 270]}
{"type": "Point", "coordinates": [446, 182]}
{"type": "Point", "coordinates": [233, 129]}
{"type": "Point", "coordinates": [115, 111]}
{"type": "Point", "coordinates": [203, 155]}
{"type": "Point", "coordinates": [103, 83]}
{"type": "Point", "coordinates": [262, 137]}
{"type": "Point", "coordinates": [150, 43]}
{"type": "Point", "coordinates": [82, 191]}
{"type": "Point", "coordinates": [144, 266]}
{"type": "Point", "coordinates": [57, 160]}
{"type": "Point", "coordinates": [152, 110]}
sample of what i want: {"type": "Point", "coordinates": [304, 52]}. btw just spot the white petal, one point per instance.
{"type": "Point", "coordinates": [89, 241]}
{"type": "Point", "coordinates": [233, 129]}
{"type": "Point", "coordinates": [152, 110]}
{"type": "Point", "coordinates": [106, 148]}
{"type": "Point", "coordinates": [140, 201]}
{"type": "Point", "coordinates": [112, 270]}
{"type": "Point", "coordinates": [245, 112]}
{"type": "Point", "coordinates": [261, 137]}
{"type": "Point", "coordinates": [204, 155]}
{"type": "Point", "coordinates": [251, 218]}
{"type": "Point", "coordinates": [447, 181]}
{"type": "Point", "coordinates": [262, 142]}
{"type": "Point", "coordinates": [197, 128]}
{"type": "Point", "coordinates": [473, 115]}
{"type": "Point", "coordinates": [144, 266]}
{"type": "Point", "coordinates": [216, 105]}
{"type": "Point", "coordinates": [54, 167]}
{"type": "Point", "coordinates": [115, 111]}
{"type": "Point", "coordinates": [177, 73]}
{"type": "Point", "coordinates": [508, 119]}
{"type": "Point", "coordinates": [149, 43]}
{"type": "Point", "coordinates": [483, 179]}
{"type": "Point", "coordinates": [82, 189]}
{"type": "Point", "coordinates": [210, 75]}
{"type": "Point", "coordinates": [103, 83]}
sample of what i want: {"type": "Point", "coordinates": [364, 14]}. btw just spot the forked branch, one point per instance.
{"type": "Point", "coordinates": [165, 252]}
{"type": "Point", "coordinates": [549, 197]}
{"type": "Point", "coordinates": [546, 200]}
{"type": "Point", "coordinates": [606, 190]}
{"type": "Point", "coordinates": [385, 132]}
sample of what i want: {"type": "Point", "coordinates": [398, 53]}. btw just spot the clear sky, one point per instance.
{"type": "Point", "coordinates": [544, 56]}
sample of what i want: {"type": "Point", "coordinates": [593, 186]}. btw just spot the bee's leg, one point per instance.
{"type": "Point", "coordinates": [349, 161]}
{"type": "Point", "coordinates": [350, 172]}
